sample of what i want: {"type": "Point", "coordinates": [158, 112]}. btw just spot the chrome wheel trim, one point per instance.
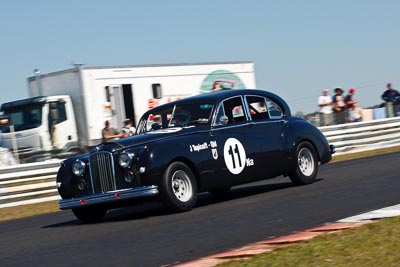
{"type": "Point", "coordinates": [181, 186]}
{"type": "Point", "coordinates": [306, 161]}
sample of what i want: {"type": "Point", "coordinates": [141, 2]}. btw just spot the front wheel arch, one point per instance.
{"type": "Point", "coordinates": [309, 138]}
{"type": "Point", "coordinates": [178, 187]}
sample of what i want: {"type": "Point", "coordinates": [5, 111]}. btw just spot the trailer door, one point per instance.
{"type": "Point", "coordinates": [121, 98]}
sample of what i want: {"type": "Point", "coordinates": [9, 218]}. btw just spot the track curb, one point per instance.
{"type": "Point", "coordinates": [270, 244]}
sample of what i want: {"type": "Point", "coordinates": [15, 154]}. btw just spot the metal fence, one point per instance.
{"type": "Point", "coordinates": [28, 183]}
{"type": "Point", "coordinates": [363, 136]}
{"type": "Point", "coordinates": [35, 182]}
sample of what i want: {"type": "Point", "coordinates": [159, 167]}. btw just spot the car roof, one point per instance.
{"type": "Point", "coordinates": [216, 97]}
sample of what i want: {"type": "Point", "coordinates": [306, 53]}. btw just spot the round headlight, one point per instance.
{"type": "Point", "coordinates": [125, 160]}
{"type": "Point", "coordinates": [78, 168]}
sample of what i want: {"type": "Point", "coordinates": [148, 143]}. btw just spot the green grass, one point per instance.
{"type": "Point", "coordinates": [364, 154]}
{"type": "Point", "coordinates": [375, 244]}
{"type": "Point", "coordinates": [28, 210]}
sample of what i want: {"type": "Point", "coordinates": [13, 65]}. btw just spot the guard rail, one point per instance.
{"type": "Point", "coordinates": [28, 183]}
{"type": "Point", "coordinates": [363, 136]}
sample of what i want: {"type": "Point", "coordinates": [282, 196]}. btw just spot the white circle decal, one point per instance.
{"type": "Point", "coordinates": [234, 155]}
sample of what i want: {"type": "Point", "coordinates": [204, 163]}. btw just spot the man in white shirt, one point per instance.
{"type": "Point", "coordinates": [325, 108]}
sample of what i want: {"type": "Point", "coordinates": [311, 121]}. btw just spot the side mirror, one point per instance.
{"type": "Point", "coordinates": [4, 120]}
{"type": "Point", "coordinates": [224, 119]}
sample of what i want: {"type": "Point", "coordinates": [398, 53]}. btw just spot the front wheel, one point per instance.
{"type": "Point", "coordinates": [306, 165]}
{"type": "Point", "coordinates": [178, 188]}
{"type": "Point", "coordinates": [89, 214]}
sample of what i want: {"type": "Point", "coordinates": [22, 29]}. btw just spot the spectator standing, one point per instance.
{"type": "Point", "coordinates": [391, 96]}
{"type": "Point", "coordinates": [128, 129]}
{"type": "Point", "coordinates": [357, 114]}
{"type": "Point", "coordinates": [109, 133]}
{"type": "Point", "coordinates": [325, 108]}
{"type": "Point", "coordinates": [350, 104]}
{"type": "Point", "coordinates": [339, 106]}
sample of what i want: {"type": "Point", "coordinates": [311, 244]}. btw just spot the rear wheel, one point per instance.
{"type": "Point", "coordinates": [178, 188]}
{"type": "Point", "coordinates": [89, 214]}
{"type": "Point", "coordinates": [306, 164]}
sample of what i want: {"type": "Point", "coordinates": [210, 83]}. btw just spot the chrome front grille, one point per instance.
{"type": "Point", "coordinates": [102, 175]}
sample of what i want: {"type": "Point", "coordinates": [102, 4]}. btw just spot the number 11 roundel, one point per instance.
{"type": "Point", "coordinates": [234, 155]}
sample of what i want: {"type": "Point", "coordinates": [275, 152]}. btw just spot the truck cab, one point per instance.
{"type": "Point", "coordinates": [40, 123]}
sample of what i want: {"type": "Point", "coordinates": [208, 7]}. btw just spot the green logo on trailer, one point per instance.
{"type": "Point", "coordinates": [226, 79]}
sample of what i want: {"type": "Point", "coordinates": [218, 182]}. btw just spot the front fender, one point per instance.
{"type": "Point", "coordinates": [65, 179]}
{"type": "Point", "coordinates": [162, 154]}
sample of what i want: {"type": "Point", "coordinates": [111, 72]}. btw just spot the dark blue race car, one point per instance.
{"type": "Point", "coordinates": [208, 142]}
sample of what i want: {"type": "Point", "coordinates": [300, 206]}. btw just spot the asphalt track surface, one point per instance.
{"type": "Point", "coordinates": [146, 235]}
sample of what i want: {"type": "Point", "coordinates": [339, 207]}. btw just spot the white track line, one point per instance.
{"type": "Point", "coordinates": [387, 212]}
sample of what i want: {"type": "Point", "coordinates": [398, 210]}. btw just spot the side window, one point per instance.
{"type": "Point", "coordinates": [220, 113]}
{"type": "Point", "coordinates": [156, 88]}
{"type": "Point", "coordinates": [57, 113]}
{"type": "Point", "coordinates": [233, 109]}
{"type": "Point", "coordinates": [275, 111]}
{"type": "Point", "coordinates": [108, 93]}
{"type": "Point", "coordinates": [257, 108]}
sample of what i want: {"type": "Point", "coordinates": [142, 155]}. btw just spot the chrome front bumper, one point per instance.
{"type": "Point", "coordinates": [108, 197]}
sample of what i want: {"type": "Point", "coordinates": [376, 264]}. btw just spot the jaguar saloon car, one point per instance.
{"type": "Point", "coordinates": [204, 143]}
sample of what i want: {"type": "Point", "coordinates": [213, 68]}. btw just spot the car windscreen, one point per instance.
{"type": "Point", "coordinates": [179, 115]}
{"type": "Point", "coordinates": [190, 114]}
{"type": "Point", "coordinates": [23, 117]}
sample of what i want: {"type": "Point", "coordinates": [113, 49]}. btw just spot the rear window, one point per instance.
{"type": "Point", "coordinates": [275, 111]}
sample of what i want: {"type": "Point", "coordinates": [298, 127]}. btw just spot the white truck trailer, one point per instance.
{"type": "Point", "coordinates": [68, 108]}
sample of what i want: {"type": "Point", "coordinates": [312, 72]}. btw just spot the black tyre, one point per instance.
{"type": "Point", "coordinates": [178, 189]}
{"type": "Point", "coordinates": [218, 192]}
{"type": "Point", "coordinates": [89, 214]}
{"type": "Point", "coordinates": [306, 164]}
